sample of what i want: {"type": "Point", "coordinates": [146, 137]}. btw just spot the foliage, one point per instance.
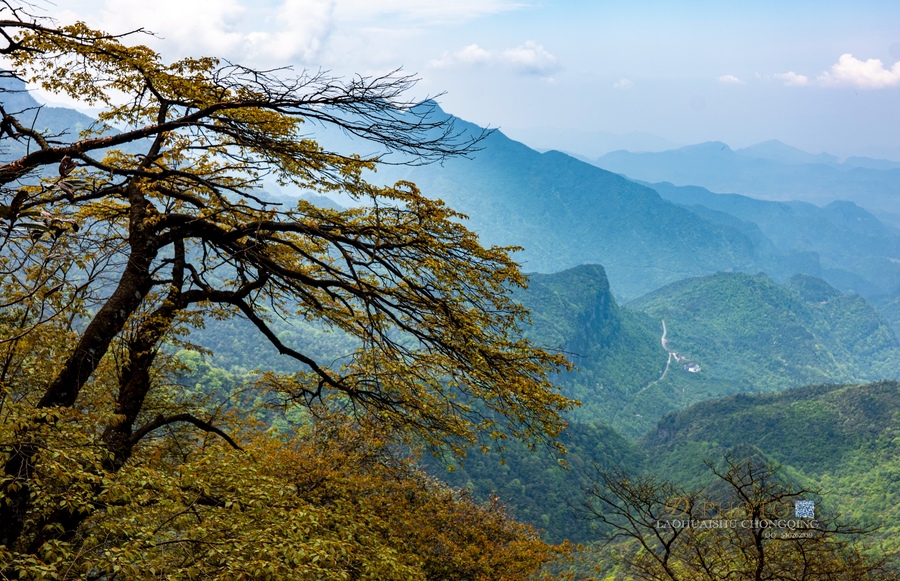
{"type": "Point", "coordinates": [151, 225]}
{"type": "Point", "coordinates": [889, 307]}
{"type": "Point", "coordinates": [328, 501]}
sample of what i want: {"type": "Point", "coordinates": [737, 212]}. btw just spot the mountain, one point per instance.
{"type": "Point", "coordinates": [767, 171]}
{"type": "Point", "coordinates": [616, 351]}
{"type": "Point", "coordinates": [746, 333]}
{"type": "Point", "coordinates": [775, 150]}
{"type": "Point", "coordinates": [750, 334]}
{"type": "Point", "coordinates": [565, 212]}
{"type": "Point", "coordinates": [838, 439]}
{"type": "Point", "coordinates": [841, 439]}
{"type": "Point", "coordinates": [65, 124]}
{"type": "Point", "coordinates": [841, 242]}
{"type": "Point", "coordinates": [589, 144]}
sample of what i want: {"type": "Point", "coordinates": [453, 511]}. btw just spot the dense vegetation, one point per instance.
{"type": "Point", "coordinates": [746, 333]}
{"type": "Point", "coordinates": [754, 334]}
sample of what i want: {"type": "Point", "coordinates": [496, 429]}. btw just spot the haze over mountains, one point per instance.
{"type": "Point", "coordinates": [565, 212]}
{"type": "Point", "coordinates": [769, 170]}
{"type": "Point", "coordinates": [590, 144]}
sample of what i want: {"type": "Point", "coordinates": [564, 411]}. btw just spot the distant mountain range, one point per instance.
{"type": "Point", "coordinates": [59, 122]}
{"type": "Point", "coordinates": [770, 170]}
{"type": "Point", "coordinates": [589, 144]}
{"type": "Point", "coordinates": [840, 242]}
{"type": "Point", "coordinates": [564, 212]}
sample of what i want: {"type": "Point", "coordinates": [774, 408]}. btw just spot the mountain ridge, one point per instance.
{"type": "Point", "coordinates": [874, 184]}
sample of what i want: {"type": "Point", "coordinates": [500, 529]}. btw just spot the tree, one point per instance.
{"type": "Point", "coordinates": [743, 527]}
{"type": "Point", "coordinates": [149, 222]}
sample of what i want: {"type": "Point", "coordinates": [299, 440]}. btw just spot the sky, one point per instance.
{"type": "Point", "coordinates": [819, 75]}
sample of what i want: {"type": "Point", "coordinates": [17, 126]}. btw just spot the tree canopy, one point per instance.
{"type": "Point", "coordinates": [118, 240]}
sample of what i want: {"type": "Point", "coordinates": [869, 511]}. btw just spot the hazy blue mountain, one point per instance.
{"type": "Point", "coordinates": [565, 212]}
{"type": "Point", "coordinates": [589, 144]}
{"type": "Point", "coordinates": [763, 174]}
{"type": "Point", "coordinates": [870, 163]}
{"type": "Point", "coordinates": [775, 150]}
{"type": "Point", "coordinates": [841, 242]}
{"type": "Point", "coordinates": [64, 124]}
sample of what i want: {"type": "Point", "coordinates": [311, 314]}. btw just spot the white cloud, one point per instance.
{"type": "Point", "coordinates": [530, 58]}
{"type": "Point", "coordinates": [792, 79]}
{"type": "Point", "coordinates": [334, 34]}
{"type": "Point", "coordinates": [623, 83]}
{"type": "Point", "coordinates": [730, 80]}
{"type": "Point", "coordinates": [202, 26]}
{"type": "Point", "coordinates": [302, 28]}
{"type": "Point", "coordinates": [469, 55]}
{"type": "Point", "coordinates": [869, 74]}
{"type": "Point", "coordinates": [268, 35]}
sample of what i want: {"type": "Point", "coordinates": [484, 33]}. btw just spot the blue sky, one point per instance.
{"type": "Point", "coordinates": [817, 75]}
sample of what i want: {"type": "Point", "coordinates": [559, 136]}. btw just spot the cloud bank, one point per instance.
{"type": "Point", "coordinates": [849, 71]}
